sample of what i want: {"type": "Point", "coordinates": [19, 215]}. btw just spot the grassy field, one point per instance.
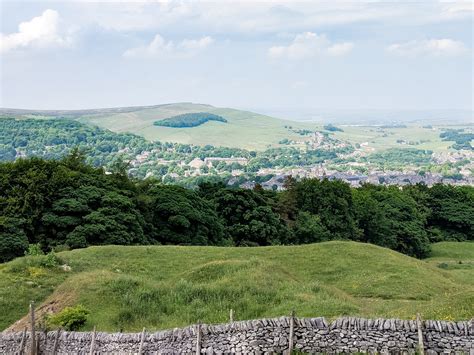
{"type": "Point", "coordinates": [386, 138]}
{"type": "Point", "coordinates": [251, 130]}
{"type": "Point", "coordinates": [243, 130]}
{"type": "Point", "coordinates": [170, 286]}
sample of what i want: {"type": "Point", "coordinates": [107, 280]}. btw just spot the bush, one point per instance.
{"type": "Point", "coordinates": [34, 250]}
{"type": "Point", "coordinates": [70, 318]}
{"type": "Point", "coordinates": [50, 260]}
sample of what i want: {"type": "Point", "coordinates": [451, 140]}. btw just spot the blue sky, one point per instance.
{"type": "Point", "coordinates": [272, 54]}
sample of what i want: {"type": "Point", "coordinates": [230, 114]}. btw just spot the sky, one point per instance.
{"type": "Point", "coordinates": [278, 55]}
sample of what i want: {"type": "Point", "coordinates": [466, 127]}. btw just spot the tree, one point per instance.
{"type": "Point", "coordinates": [309, 229]}
{"type": "Point", "coordinates": [13, 240]}
{"type": "Point", "coordinates": [390, 217]}
{"type": "Point", "coordinates": [371, 218]}
{"type": "Point", "coordinates": [452, 211]}
{"type": "Point", "coordinates": [116, 221]}
{"type": "Point", "coordinates": [249, 218]}
{"type": "Point", "coordinates": [332, 202]}
{"type": "Point", "coordinates": [175, 215]}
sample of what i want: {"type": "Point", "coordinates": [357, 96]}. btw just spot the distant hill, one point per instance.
{"type": "Point", "coordinates": [161, 287]}
{"type": "Point", "coordinates": [243, 129]}
{"type": "Point", "coordinates": [189, 120]}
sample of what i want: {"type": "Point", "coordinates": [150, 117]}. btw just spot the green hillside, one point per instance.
{"type": "Point", "coordinates": [170, 286]}
{"type": "Point", "coordinates": [243, 129]}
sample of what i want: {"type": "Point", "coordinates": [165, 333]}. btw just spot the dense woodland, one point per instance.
{"type": "Point", "coordinates": [69, 204]}
{"type": "Point", "coordinates": [189, 120]}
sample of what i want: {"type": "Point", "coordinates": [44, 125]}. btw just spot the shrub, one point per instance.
{"type": "Point", "coordinates": [70, 318]}
{"type": "Point", "coordinates": [34, 250]}
{"type": "Point", "coordinates": [50, 260]}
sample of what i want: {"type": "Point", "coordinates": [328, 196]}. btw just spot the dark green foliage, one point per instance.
{"type": "Point", "coordinates": [249, 218]}
{"type": "Point", "coordinates": [391, 218]}
{"type": "Point", "coordinates": [189, 120]}
{"type": "Point", "coordinates": [451, 211]}
{"type": "Point", "coordinates": [332, 202]}
{"type": "Point", "coordinates": [175, 215]}
{"type": "Point", "coordinates": [116, 221]}
{"type": "Point", "coordinates": [13, 240]}
{"type": "Point", "coordinates": [69, 202]}
{"type": "Point", "coordinates": [309, 229]}
{"type": "Point", "coordinates": [49, 204]}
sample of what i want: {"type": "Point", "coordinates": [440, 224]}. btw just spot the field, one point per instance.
{"type": "Point", "coordinates": [386, 138]}
{"type": "Point", "coordinates": [243, 130]}
{"type": "Point", "coordinates": [251, 130]}
{"type": "Point", "coordinates": [171, 286]}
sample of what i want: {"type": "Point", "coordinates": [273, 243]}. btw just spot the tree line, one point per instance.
{"type": "Point", "coordinates": [68, 203]}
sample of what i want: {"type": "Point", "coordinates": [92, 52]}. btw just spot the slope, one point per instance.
{"type": "Point", "coordinates": [169, 286]}
{"type": "Point", "coordinates": [244, 129]}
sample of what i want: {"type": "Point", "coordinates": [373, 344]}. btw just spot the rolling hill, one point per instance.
{"type": "Point", "coordinates": [171, 286]}
{"type": "Point", "coordinates": [243, 129]}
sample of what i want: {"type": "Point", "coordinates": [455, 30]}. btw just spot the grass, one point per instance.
{"type": "Point", "coordinates": [170, 286]}
{"type": "Point", "coordinates": [386, 138]}
{"type": "Point", "coordinates": [243, 130]}
{"type": "Point", "coordinates": [254, 131]}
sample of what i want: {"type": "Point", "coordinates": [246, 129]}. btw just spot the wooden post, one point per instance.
{"type": "Point", "coordinates": [231, 315]}
{"type": "Point", "coordinates": [22, 342]}
{"type": "Point", "coordinates": [421, 348]}
{"type": "Point", "coordinates": [142, 339]}
{"type": "Point", "coordinates": [45, 334]}
{"type": "Point", "coordinates": [198, 338]}
{"type": "Point", "coordinates": [33, 334]}
{"type": "Point", "coordinates": [38, 341]}
{"type": "Point", "coordinates": [56, 342]}
{"type": "Point", "coordinates": [292, 330]}
{"type": "Point", "coordinates": [91, 352]}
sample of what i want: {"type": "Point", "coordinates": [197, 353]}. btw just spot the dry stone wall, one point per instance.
{"type": "Point", "coordinates": [265, 336]}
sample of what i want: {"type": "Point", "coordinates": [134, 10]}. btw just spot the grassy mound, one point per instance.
{"type": "Point", "coordinates": [169, 286]}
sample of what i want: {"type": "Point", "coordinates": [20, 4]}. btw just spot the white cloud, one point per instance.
{"type": "Point", "coordinates": [340, 48]}
{"type": "Point", "coordinates": [263, 17]}
{"type": "Point", "coordinates": [160, 47]}
{"type": "Point", "coordinates": [308, 45]}
{"type": "Point", "coordinates": [41, 31]}
{"type": "Point", "coordinates": [196, 44]}
{"type": "Point", "coordinates": [431, 47]}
